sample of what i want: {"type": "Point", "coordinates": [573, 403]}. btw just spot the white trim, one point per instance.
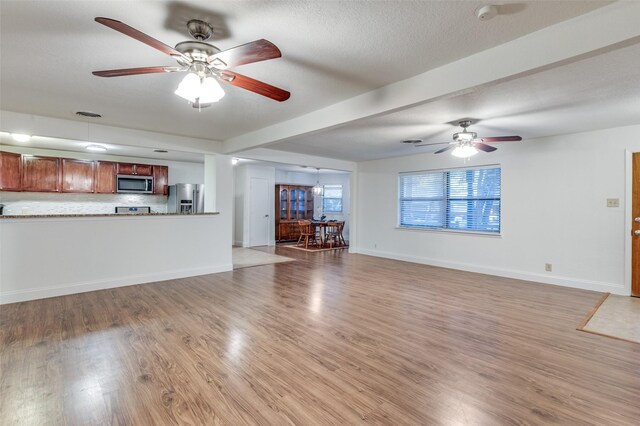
{"type": "Point", "coordinates": [46, 292]}
{"type": "Point", "coordinates": [628, 211]}
{"type": "Point", "coordinates": [508, 273]}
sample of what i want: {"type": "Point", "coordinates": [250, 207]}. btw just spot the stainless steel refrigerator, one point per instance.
{"type": "Point", "coordinates": [186, 198]}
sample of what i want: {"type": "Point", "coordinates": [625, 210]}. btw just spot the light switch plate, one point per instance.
{"type": "Point", "coordinates": [613, 202]}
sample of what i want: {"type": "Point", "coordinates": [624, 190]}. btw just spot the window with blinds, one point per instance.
{"type": "Point", "coordinates": [460, 199]}
{"type": "Point", "coordinates": [332, 199]}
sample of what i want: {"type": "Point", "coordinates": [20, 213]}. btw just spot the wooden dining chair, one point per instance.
{"type": "Point", "coordinates": [307, 233]}
{"type": "Point", "coordinates": [331, 236]}
{"type": "Point", "coordinates": [340, 236]}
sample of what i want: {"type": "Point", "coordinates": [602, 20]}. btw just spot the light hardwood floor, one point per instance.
{"type": "Point", "coordinates": [332, 338]}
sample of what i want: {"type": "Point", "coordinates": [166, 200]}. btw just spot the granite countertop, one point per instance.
{"type": "Point", "coordinates": [46, 216]}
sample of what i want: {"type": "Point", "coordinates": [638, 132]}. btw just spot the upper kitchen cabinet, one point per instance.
{"type": "Point", "coordinates": [160, 180]}
{"type": "Point", "coordinates": [77, 175]}
{"type": "Point", "coordinates": [40, 174]}
{"type": "Point", "coordinates": [135, 169]}
{"type": "Point", "coordinates": [10, 171]}
{"type": "Point", "coordinates": [105, 177]}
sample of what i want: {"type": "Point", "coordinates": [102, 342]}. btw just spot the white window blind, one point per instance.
{"type": "Point", "coordinates": [332, 199]}
{"type": "Point", "coordinates": [460, 199]}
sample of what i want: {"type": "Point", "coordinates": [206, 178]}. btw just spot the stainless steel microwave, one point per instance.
{"type": "Point", "coordinates": [134, 184]}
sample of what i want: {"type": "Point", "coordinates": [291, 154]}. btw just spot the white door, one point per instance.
{"type": "Point", "coordinates": [259, 217]}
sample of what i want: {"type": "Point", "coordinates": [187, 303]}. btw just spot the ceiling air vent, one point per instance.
{"type": "Point", "coordinates": [88, 114]}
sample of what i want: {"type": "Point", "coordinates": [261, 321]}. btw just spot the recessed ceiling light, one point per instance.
{"type": "Point", "coordinates": [234, 161]}
{"type": "Point", "coordinates": [88, 114]}
{"type": "Point", "coordinates": [20, 137]}
{"type": "Point", "coordinates": [162, 151]}
{"type": "Point", "coordinates": [96, 148]}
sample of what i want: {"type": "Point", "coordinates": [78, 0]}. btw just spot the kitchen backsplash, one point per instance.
{"type": "Point", "coordinates": [36, 203]}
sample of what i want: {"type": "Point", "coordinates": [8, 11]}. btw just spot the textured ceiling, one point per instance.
{"type": "Point", "coordinates": [331, 51]}
{"type": "Point", "coordinates": [594, 93]}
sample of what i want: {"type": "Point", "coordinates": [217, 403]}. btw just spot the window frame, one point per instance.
{"type": "Point", "coordinates": [324, 197]}
{"type": "Point", "coordinates": [445, 201]}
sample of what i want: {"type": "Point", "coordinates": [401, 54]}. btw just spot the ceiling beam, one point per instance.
{"type": "Point", "coordinates": [587, 35]}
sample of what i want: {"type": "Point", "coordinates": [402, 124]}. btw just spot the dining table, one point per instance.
{"type": "Point", "coordinates": [322, 227]}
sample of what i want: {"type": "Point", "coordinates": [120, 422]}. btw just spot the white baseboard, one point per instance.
{"type": "Point", "coordinates": [507, 273]}
{"type": "Point", "coordinates": [46, 292]}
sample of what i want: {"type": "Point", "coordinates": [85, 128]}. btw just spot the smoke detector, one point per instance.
{"type": "Point", "coordinates": [487, 12]}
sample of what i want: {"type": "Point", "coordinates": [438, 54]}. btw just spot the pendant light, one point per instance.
{"type": "Point", "coordinates": [318, 189]}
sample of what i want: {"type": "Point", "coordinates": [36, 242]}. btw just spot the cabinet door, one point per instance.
{"type": "Point", "coordinates": [283, 203]}
{"type": "Point", "coordinates": [105, 177]}
{"type": "Point", "coordinates": [40, 174]}
{"type": "Point", "coordinates": [126, 169]}
{"type": "Point", "coordinates": [10, 171]}
{"type": "Point", "coordinates": [143, 169]}
{"type": "Point", "coordinates": [77, 175]}
{"type": "Point", "coordinates": [160, 180]}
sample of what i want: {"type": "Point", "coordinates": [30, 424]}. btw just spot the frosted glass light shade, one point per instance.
{"type": "Point", "coordinates": [189, 88]}
{"type": "Point", "coordinates": [210, 91]}
{"type": "Point", "coordinates": [464, 151]}
{"type": "Point", "coordinates": [194, 90]}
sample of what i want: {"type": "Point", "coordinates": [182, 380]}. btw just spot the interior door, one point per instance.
{"type": "Point", "coordinates": [635, 212]}
{"type": "Point", "coordinates": [258, 212]}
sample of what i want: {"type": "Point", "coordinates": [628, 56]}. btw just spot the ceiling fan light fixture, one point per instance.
{"type": "Point", "coordinates": [189, 87]}
{"type": "Point", "coordinates": [464, 151]}
{"type": "Point", "coordinates": [210, 91]}
{"type": "Point", "coordinates": [199, 90]}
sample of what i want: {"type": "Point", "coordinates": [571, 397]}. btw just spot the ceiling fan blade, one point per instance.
{"type": "Point", "coordinates": [437, 143]}
{"type": "Point", "coordinates": [501, 139]}
{"type": "Point", "coordinates": [445, 149]}
{"type": "Point", "coordinates": [140, 36]}
{"type": "Point", "coordinates": [255, 86]}
{"type": "Point", "coordinates": [484, 147]}
{"type": "Point", "coordinates": [136, 71]}
{"type": "Point", "coordinates": [256, 51]}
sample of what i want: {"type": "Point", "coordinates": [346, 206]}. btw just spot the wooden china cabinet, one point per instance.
{"type": "Point", "coordinates": [293, 203]}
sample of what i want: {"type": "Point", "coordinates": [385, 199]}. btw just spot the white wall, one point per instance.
{"type": "Point", "coordinates": [46, 257]}
{"type": "Point", "coordinates": [554, 193]}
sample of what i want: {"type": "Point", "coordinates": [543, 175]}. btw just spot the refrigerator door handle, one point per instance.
{"type": "Point", "coordinates": [194, 206]}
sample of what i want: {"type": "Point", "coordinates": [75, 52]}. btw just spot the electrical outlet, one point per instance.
{"type": "Point", "coordinates": [548, 267]}
{"type": "Point", "coordinates": [613, 202]}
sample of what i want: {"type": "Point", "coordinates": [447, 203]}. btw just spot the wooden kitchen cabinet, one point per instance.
{"type": "Point", "coordinates": [135, 169]}
{"type": "Point", "coordinates": [40, 174]}
{"type": "Point", "coordinates": [160, 180]}
{"type": "Point", "coordinates": [10, 171]}
{"type": "Point", "coordinates": [78, 175]}
{"type": "Point", "coordinates": [105, 177]}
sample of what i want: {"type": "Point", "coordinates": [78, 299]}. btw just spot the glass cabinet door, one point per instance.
{"type": "Point", "coordinates": [283, 204]}
{"type": "Point", "coordinates": [301, 203]}
{"type": "Point", "coordinates": [293, 211]}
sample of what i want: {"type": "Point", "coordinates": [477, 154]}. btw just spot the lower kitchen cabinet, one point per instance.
{"type": "Point", "coordinates": [10, 171]}
{"type": "Point", "coordinates": [40, 174]}
{"type": "Point", "coordinates": [78, 175]}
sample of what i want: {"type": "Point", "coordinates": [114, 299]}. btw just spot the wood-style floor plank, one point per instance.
{"type": "Point", "coordinates": [332, 338]}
